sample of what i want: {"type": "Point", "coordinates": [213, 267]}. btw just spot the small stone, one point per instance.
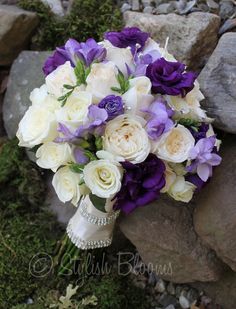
{"type": "Point", "coordinates": [188, 7]}
{"type": "Point", "coordinates": [178, 290]}
{"type": "Point", "coordinates": [227, 9]}
{"type": "Point", "coordinates": [125, 7]}
{"type": "Point", "coordinates": [148, 10]}
{"type": "Point", "coordinates": [135, 5]}
{"type": "Point", "coordinates": [146, 3]}
{"type": "Point", "coordinates": [228, 25]}
{"type": "Point", "coordinates": [55, 6]}
{"type": "Point", "coordinates": [184, 302]}
{"type": "Point", "coordinates": [166, 300]}
{"type": "Point", "coordinates": [212, 4]}
{"type": "Point", "coordinates": [29, 301]}
{"type": "Point", "coordinates": [170, 307]}
{"type": "Point", "coordinates": [160, 286]}
{"type": "Point", "coordinates": [192, 295]}
{"type": "Point", "coordinates": [171, 288]}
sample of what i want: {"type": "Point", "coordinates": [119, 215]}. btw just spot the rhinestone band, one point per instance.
{"type": "Point", "coordinates": [101, 221]}
{"type": "Point", "coordinates": [85, 245]}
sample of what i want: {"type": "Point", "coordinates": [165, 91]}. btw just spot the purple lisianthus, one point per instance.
{"type": "Point", "coordinates": [201, 132]}
{"type": "Point", "coordinates": [72, 51]}
{"type": "Point", "coordinates": [141, 183]}
{"type": "Point", "coordinates": [95, 124]}
{"type": "Point", "coordinates": [131, 37]}
{"type": "Point", "coordinates": [113, 105]}
{"type": "Point", "coordinates": [204, 158]}
{"type": "Point", "coordinates": [159, 119]}
{"type": "Point", "coordinates": [195, 180]}
{"type": "Point", "coordinates": [169, 77]}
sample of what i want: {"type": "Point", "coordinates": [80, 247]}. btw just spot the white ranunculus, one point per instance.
{"type": "Point", "coordinates": [52, 155]}
{"type": "Point", "coordinates": [66, 185]}
{"type": "Point", "coordinates": [125, 137]}
{"type": "Point", "coordinates": [75, 111]}
{"type": "Point", "coordinates": [41, 98]}
{"type": "Point", "coordinates": [100, 80]}
{"type": "Point", "coordinates": [37, 126]}
{"type": "Point", "coordinates": [63, 75]}
{"type": "Point", "coordinates": [119, 56]}
{"type": "Point", "coordinates": [175, 145]}
{"type": "Point", "coordinates": [170, 177]}
{"type": "Point", "coordinates": [182, 190]}
{"type": "Point", "coordinates": [103, 178]}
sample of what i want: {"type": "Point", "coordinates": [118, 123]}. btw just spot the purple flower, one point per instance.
{"type": "Point", "coordinates": [72, 51]}
{"type": "Point", "coordinates": [131, 37]}
{"type": "Point", "coordinates": [113, 105]}
{"type": "Point", "coordinates": [80, 156]}
{"type": "Point", "coordinates": [169, 78]}
{"type": "Point", "coordinates": [159, 121]}
{"type": "Point", "coordinates": [201, 132]}
{"type": "Point", "coordinates": [141, 184]}
{"type": "Point", "coordinates": [68, 136]}
{"type": "Point", "coordinates": [96, 120]}
{"type": "Point", "coordinates": [196, 180]}
{"type": "Point", "coordinates": [204, 157]}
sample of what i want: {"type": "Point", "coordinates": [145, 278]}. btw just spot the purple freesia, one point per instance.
{"type": "Point", "coordinates": [204, 157]}
{"type": "Point", "coordinates": [141, 183]}
{"type": "Point", "coordinates": [95, 124]}
{"type": "Point", "coordinates": [195, 180]}
{"type": "Point", "coordinates": [113, 105]}
{"type": "Point", "coordinates": [72, 51]}
{"type": "Point", "coordinates": [159, 119]}
{"type": "Point", "coordinates": [67, 134]}
{"type": "Point", "coordinates": [169, 77]}
{"type": "Point", "coordinates": [131, 37]}
{"type": "Point", "coordinates": [80, 156]}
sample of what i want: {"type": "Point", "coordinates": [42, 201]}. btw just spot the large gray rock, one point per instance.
{"type": "Point", "coordinates": [215, 215]}
{"type": "Point", "coordinates": [26, 74]}
{"type": "Point", "coordinates": [192, 38]}
{"type": "Point", "coordinates": [16, 28]}
{"type": "Point", "coordinates": [164, 236]}
{"type": "Point", "coordinates": [218, 84]}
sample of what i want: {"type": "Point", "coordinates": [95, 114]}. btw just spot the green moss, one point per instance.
{"type": "Point", "coordinates": [20, 179]}
{"type": "Point", "coordinates": [88, 18]}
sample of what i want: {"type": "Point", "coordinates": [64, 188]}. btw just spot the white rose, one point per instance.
{"type": "Point", "coordinates": [37, 126]}
{"type": "Point", "coordinates": [138, 97]}
{"type": "Point", "coordinates": [52, 155]}
{"type": "Point", "coordinates": [103, 178]}
{"type": "Point", "coordinates": [63, 75]}
{"type": "Point", "coordinates": [66, 185]}
{"type": "Point", "coordinates": [170, 177]}
{"type": "Point", "coordinates": [125, 137]}
{"type": "Point", "coordinates": [175, 145]}
{"type": "Point", "coordinates": [182, 190]}
{"type": "Point", "coordinates": [75, 111]}
{"type": "Point", "coordinates": [119, 56]}
{"type": "Point", "coordinates": [100, 80]}
{"type": "Point", "coordinates": [41, 98]}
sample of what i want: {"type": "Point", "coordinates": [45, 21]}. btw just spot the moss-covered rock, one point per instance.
{"type": "Point", "coordinates": [88, 18]}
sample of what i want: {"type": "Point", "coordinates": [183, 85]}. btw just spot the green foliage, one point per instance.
{"type": "Point", "coordinates": [123, 82]}
{"type": "Point", "coordinates": [88, 18]}
{"type": "Point", "coordinates": [20, 179]}
{"type": "Point", "coordinates": [21, 238]}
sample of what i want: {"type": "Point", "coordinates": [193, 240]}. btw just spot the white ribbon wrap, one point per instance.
{"type": "Point", "coordinates": [91, 228]}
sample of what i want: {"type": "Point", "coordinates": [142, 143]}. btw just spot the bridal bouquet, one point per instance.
{"type": "Point", "coordinates": [119, 123]}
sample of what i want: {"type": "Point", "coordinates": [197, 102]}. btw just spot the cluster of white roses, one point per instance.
{"type": "Point", "coordinates": [124, 138]}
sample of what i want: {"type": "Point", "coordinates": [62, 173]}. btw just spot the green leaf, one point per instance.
{"type": "Point", "coordinates": [90, 155]}
{"type": "Point", "coordinates": [98, 143]}
{"type": "Point", "coordinates": [76, 168]}
{"type": "Point", "coordinates": [68, 86]}
{"type": "Point", "coordinates": [98, 202]}
{"type": "Point", "coordinates": [187, 122]}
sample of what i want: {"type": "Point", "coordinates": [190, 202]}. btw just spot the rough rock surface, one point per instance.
{"type": "Point", "coordinates": [218, 83]}
{"type": "Point", "coordinates": [164, 236]}
{"type": "Point", "coordinates": [16, 28]}
{"type": "Point", "coordinates": [215, 215]}
{"type": "Point", "coordinates": [26, 74]}
{"type": "Point", "coordinates": [192, 38]}
{"type": "Point", "coordinates": [222, 292]}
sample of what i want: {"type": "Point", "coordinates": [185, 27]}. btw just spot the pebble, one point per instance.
{"type": "Point", "coordinates": [135, 5]}
{"type": "Point", "coordinates": [160, 286]}
{"type": "Point", "coordinates": [166, 300]}
{"type": "Point", "coordinates": [125, 7]}
{"type": "Point", "coordinates": [228, 25]}
{"type": "Point", "coordinates": [188, 7]}
{"type": "Point", "coordinates": [146, 3]}
{"type": "Point", "coordinates": [148, 10]}
{"type": "Point", "coordinates": [212, 4]}
{"type": "Point", "coordinates": [170, 307]}
{"type": "Point", "coordinates": [184, 302]}
{"type": "Point", "coordinates": [171, 288]}
{"type": "Point", "coordinates": [227, 9]}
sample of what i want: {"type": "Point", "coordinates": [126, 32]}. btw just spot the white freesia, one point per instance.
{"type": "Point", "coordinates": [103, 154]}
{"type": "Point", "coordinates": [125, 137]}
{"type": "Point", "coordinates": [170, 177]}
{"type": "Point", "coordinates": [100, 80]}
{"type": "Point", "coordinates": [66, 185]}
{"type": "Point", "coordinates": [75, 111]}
{"type": "Point", "coordinates": [63, 75]}
{"type": "Point", "coordinates": [182, 190]}
{"type": "Point", "coordinates": [175, 145]}
{"type": "Point", "coordinates": [41, 98]}
{"type": "Point", "coordinates": [119, 56]}
{"type": "Point", "coordinates": [37, 126]}
{"type": "Point", "coordinates": [103, 178]}
{"type": "Point", "coordinates": [52, 155]}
